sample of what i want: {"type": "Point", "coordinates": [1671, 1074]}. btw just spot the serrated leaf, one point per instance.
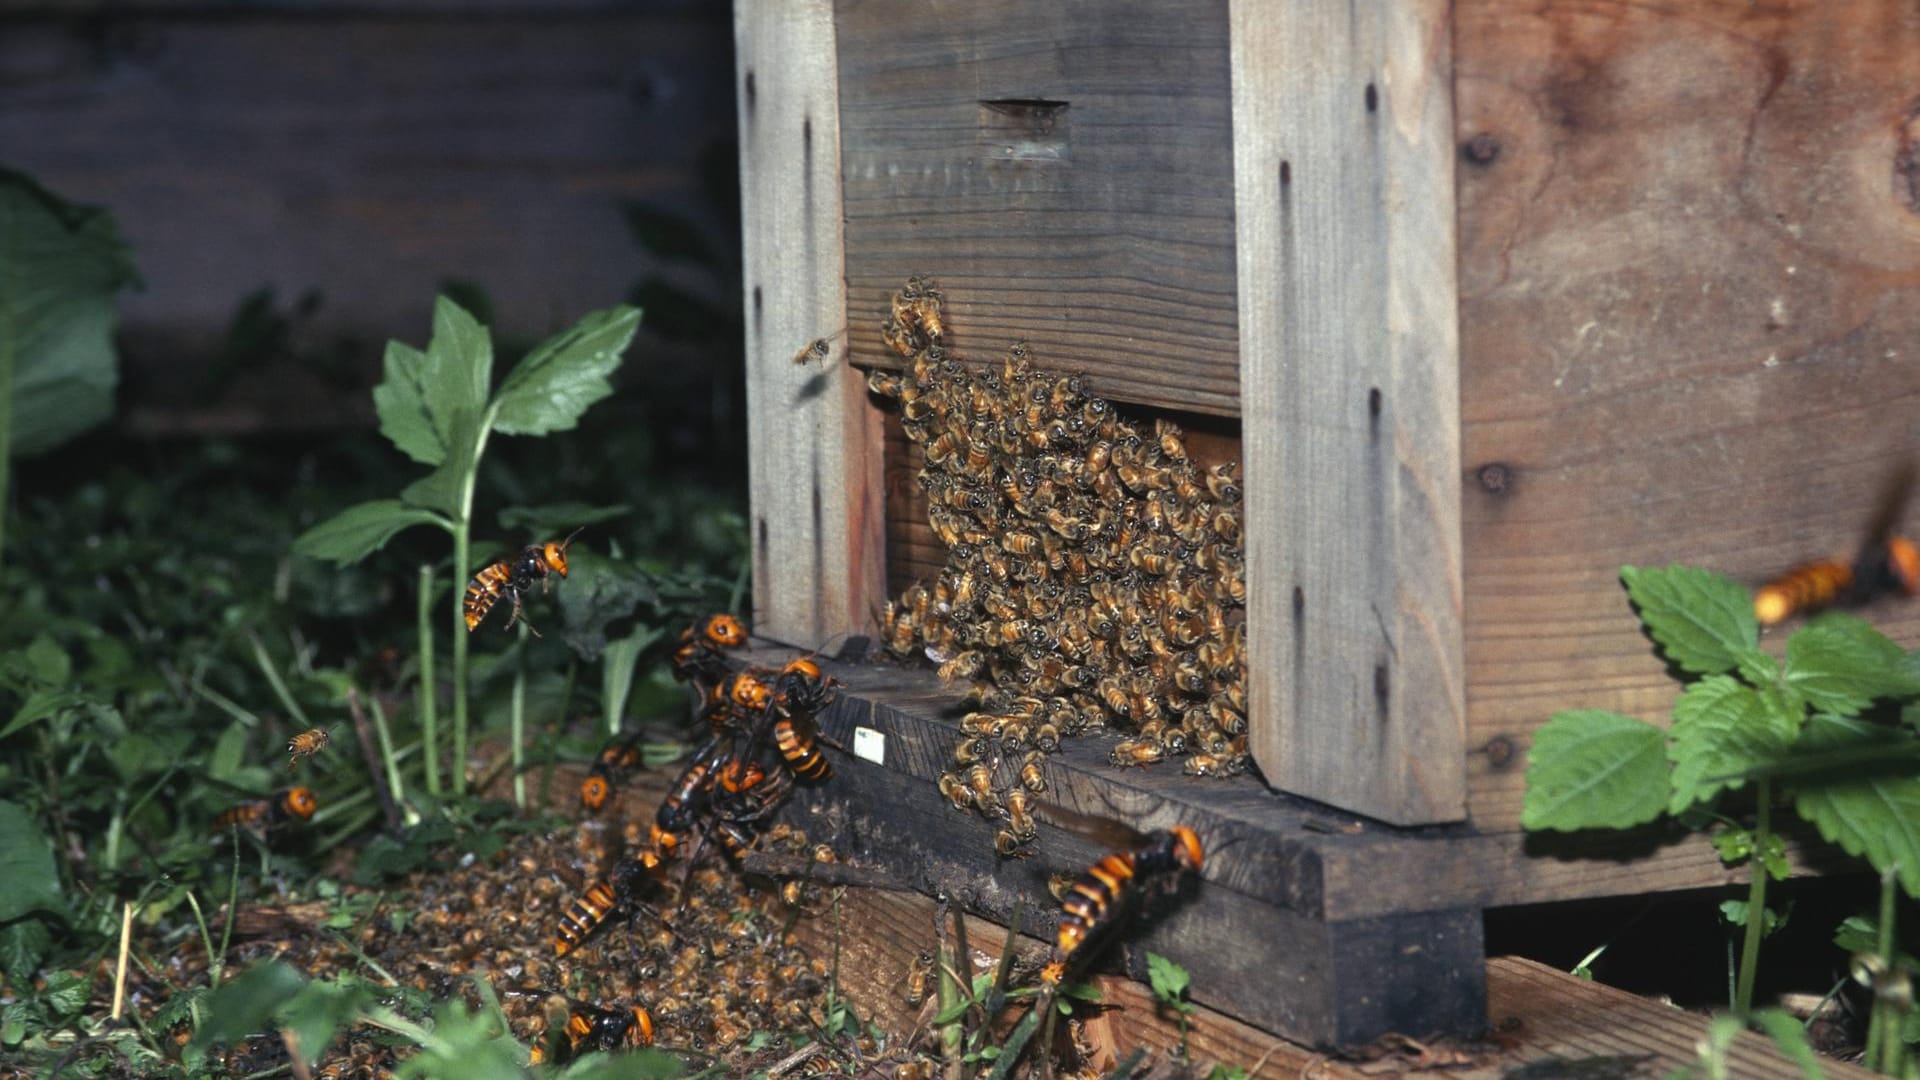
{"type": "Point", "coordinates": [359, 531]}
{"type": "Point", "coordinates": [1757, 667]}
{"type": "Point", "coordinates": [1168, 979]}
{"type": "Point", "coordinates": [1841, 664]}
{"type": "Point", "coordinates": [1702, 621]}
{"type": "Point", "coordinates": [24, 943]}
{"type": "Point", "coordinates": [565, 374]}
{"type": "Point", "coordinates": [1877, 815]}
{"type": "Point", "coordinates": [599, 592]}
{"type": "Point", "coordinates": [28, 880]}
{"type": "Point", "coordinates": [423, 393]}
{"type": "Point", "coordinates": [444, 490]}
{"type": "Point", "coordinates": [1720, 728]}
{"type": "Point", "coordinates": [1591, 769]}
{"type": "Point", "coordinates": [60, 266]}
{"type": "Point", "coordinates": [65, 994]}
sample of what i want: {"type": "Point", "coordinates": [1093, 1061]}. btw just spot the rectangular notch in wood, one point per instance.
{"type": "Point", "coordinates": [1025, 129]}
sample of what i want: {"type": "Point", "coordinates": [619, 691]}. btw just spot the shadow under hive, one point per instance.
{"type": "Point", "coordinates": [1094, 575]}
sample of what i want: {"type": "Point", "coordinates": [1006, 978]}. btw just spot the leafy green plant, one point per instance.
{"type": "Point", "coordinates": [435, 406]}
{"type": "Point", "coordinates": [60, 267]}
{"type": "Point", "coordinates": [1169, 982]}
{"type": "Point", "coordinates": [1821, 728]}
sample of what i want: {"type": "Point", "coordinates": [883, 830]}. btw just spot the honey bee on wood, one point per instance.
{"type": "Point", "coordinates": [1137, 752]}
{"type": "Point", "coordinates": [919, 979]}
{"type": "Point", "coordinates": [306, 744]}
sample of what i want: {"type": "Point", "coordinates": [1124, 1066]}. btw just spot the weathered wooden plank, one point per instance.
{"type": "Point", "coordinates": [1342, 165]}
{"type": "Point", "coordinates": [1062, 170]}
{"type": "Point", "coordinates": [1690, 296]}
{"type": "Point", "coordinates": [371, 159]}
{"type": "Point", "coordinates": [814, 471]}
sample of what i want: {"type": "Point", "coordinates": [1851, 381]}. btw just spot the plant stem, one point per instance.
{"type": "Point", "coordinates": [429, 708]}
{"type": "Point", "coordinates": [517, 714]}
{"type": "Point", "coordinates": [1756, 897]}
{"type": "Point", "coordinates": [1892, 1048]}
{"type": "Point", "coordinates": [460, 634]}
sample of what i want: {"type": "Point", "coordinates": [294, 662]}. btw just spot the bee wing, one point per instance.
{"type": "Point", "coordinates": [1104, 831]}
{"type": "Point", "coordinates": [1892, 504]}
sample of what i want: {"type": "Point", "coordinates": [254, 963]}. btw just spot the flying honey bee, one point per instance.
{"type": "Point", "coordinates": [514, 578]}
{"type": "Point", "coordinates": [817, 350]}
{"type": "Point", "coordinates": [306, 744]}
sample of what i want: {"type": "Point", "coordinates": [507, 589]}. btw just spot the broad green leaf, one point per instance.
{"type": "Point", "coordinates": [359, 531]}
{"type": "Point", "coordinates": [1758, 668]}
{"type": "Point", "coordinates": [1591, 769]}
{"type": "Point", "coordinates": [48, 663]}
{"type": "Point", "coordinates": [643, 1064]}
{"type": "Point", "coordinates": [1721, 727]}
{"type": "Point", "coordinates": [599, 592]}
{"type": "Point", "coordinates": [1841, 664]}
{"type": "Point", "coordinates": [424, 392]}
{"type": "Point", "coordinates": [60, 266]}
{"type": "Point", "coordinates": [28, 880]}
{"type": "Point", "coordinates": [320, 1011]}
{"type": "Point", "coordinates": [1789, 1035]}
{"type": "Point", "coordinates": [247, 1004]}
{"type": "Point", "coordinates": [24, 943]}
{"type": "Point", "coordinates": [1861, 933]}
{"type": "Point", "coordinates": [444, 490]}
{"type": "Point", "coordinates": [229, 752]}
{"type": "Point", "coordinates": [1702, 621]}
{"type": "Point", "coordinates": [618, 665]}
{"type": "Point", "coordinates": [65, 994]}
{"type": "Point", "coordinates": [1875, 815]}
{"type": "Point", "coordinates": [1168, 979]}
{"type": "Point", "coordinates": [39, 705]}
{"type": "Point", "coordinates": [565, 374]}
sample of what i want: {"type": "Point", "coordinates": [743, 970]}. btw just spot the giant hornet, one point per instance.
{"type": "Point", "coordinates": [615, 761]}
{"type": "Point", "coordinates": [697, 657]}
{"type": "Point", "coordinates": [289, 805]}
{"type": "Point", "coordinates": [1097, 900]}
{"type": "Point", "coordinates": [1885, 563]}
{"type": "Point", "coordinates": [590, 1028]}
{"type": "Point", "coordinates": [513, 578]}
{"type": "Point", "coordinates": [620, 891]}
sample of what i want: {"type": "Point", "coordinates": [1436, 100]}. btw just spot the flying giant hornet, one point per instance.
{"type": "Point", "coordinates": [306, 744]}
{"type": "Point", "coordinates": [513, 578]}
{"type": "Point", "coordinates": [590, 1028]}
{"type": "Point", "coordinates": [616, 760]}
{"type": "Point", "coordinates": [1885, 563]}
{"type": "Point", "coordinates": [601, 899]}
{"type": "Point", "coordinates": [293, 804]}
{"type": "Point", "coordinates": [1096, 900]}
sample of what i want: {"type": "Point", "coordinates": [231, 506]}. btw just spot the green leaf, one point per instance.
{"type": "Point", "coordinates": [47, 663]}
{"type": "Point", "coordinates": [60, 266]}
{"type": "Point", "coordinates": [24, 944]}
{"type": "Point", "coordinates": [424, 392]}
{"type": "Point", "coordinates": [565, 374]}
{"type": "Point", "coordinates": [1720, 728]}
{"type": "Point", "coordinates": [1790, 1036]}
{"type": "Point", "coordinates": [229, 752]}
{"type": "Point", "coordinates": [599, 592]}
{"type": "Point", "coordinates": [1168, 979]}
{"type": "Point", "coordinates": [28, 880]}
{"type": "Point", "coordinates": [1841, 664]}
{"type": "Point", "coordinates": [248, 1003]}
{"type": "Point", "coordinates": [1757, 668]}
{"type": "Point", "coordinates": [65, 994]}
{"type": "Point", "coordinates": [1735, 912]}
{"type": "Point", "coordinates": [1859, 933]}
{"type": "Point", "coordinates": [39, 705]}
{"type": "Point", "coordinates": [1875, 816]}
{"type": "Point", "coordinates": [444, 490]}
{"type": "Point", "coordinates": [320, 1011]}
{"type": "Point", "coordinates": [359, 531]}
{"type": "Point", "coordinates": [1591, 769]}
{"type": "Point", "coordinates": [643, 1064]}
{"type": "Point", "coordinates": [1702, 621]}
{"type": "Point", "coordinates": [618, 665]}
{"type": "Point", "coordinates": [952, 1012]}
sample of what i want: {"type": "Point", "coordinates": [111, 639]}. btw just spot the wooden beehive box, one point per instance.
{"type": "Point", "coordinates": [1489, 298]}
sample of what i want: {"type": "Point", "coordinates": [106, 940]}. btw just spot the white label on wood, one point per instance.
{"type": "Point", "coordinates": [869, 745]}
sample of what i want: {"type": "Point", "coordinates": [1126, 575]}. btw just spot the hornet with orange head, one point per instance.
{"type": "Point", "coordinates": [1096, 900]}
{"type": "Point", "coordinates": [293, 804]}
{"type": "Point", "coordinates": [514, 578]}
{"type": "Point", "coordinates": [590, 1028]}
{"type": "Point", "coordinates": [1885, 563]}
{"type": "Point", "coordinates": [616, 760]}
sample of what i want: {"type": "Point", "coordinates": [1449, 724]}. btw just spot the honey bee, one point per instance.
{"type": "Point", "coordinates": [1210, 764]}
{"type": "Point", "coordinates": [1046, 737]}
{"type": "Point", "coordinates": [1033, 771]}
{"type": "Point", "coordinates": [919, 979]}
{"type": "Point", "coordinates": [963, 666]}
{"type": "Point", "coordinates": [618, 758]}
{"type": "Point", "coordinates": [955, 792]}
{"type": "Point", "coordinates": [1137, 752]}
{"type": "Point", "coordinates": [883, 383]}
{"type": "Point", "coordinates": [590, 1028]}
{"type": "Point", "coordinates": [818, 349]}
{"type": "Point", "coordinates": [1008, 845]}
{"type": "Point", "coordinates": [306, 744]}
{"type": "Point", "coordinates": [1019, 815]}
{"type": "Point", "coordinates": [293, 804]}
{"type": "Point", "coordinates": [979, 781]}
{"type": "Point", "coordinates": [514, 578]}
{"type": "Point", "coordinates": [1221, 484]}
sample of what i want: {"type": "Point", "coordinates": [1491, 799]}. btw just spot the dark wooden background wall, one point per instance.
{"type": "Point", "coordinates": [367, 153]}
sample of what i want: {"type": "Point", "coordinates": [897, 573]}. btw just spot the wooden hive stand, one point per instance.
{"type": "Point", "coordinates": [1488, 298]}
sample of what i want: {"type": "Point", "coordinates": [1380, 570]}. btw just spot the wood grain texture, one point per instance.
{"type": "Point", "coordinates": [814, 474]}
{"type": "Point", "coordinates": [1343, 170]}
{"type": "Point", "coordinates": [371, 158]}
{"type": "Point", "coordinates": [1690, 304]}
{"type": "Point", "coordinates": [1062, 170]}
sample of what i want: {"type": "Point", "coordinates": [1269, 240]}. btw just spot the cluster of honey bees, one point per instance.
{"type": "Point", "coordinates": [1094, 575]}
